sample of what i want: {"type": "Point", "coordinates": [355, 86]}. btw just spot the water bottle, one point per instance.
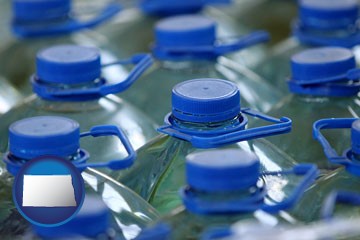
{"type": "Point", "coordinates": [206, 114]}
{"type": "Point", "coordinates": [319, 23]}
{"type": "Point", "coordinates": [345, 178]}
{"type": "Point", "coordinates": [226, 186]}
{"type": "Point", "coordinates": [42, 23]}
{"type": "Point", "coordinates": [324, 83]}
{"type": "Point", "coordinates": [58, 136]}
{"type": "Point", "coordinates": [137, 22]}
{"type": "Point", "coordinates": [185, 48]}
{"type": "Point", "coordinates": [68, 82]}
{"type": "Point", "coordinates": [334, 228]}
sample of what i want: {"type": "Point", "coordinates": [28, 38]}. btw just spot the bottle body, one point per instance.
{"type": "Point", "coordinates": [304, 110]}
{"type": "Point", "coordinates": [107, 110]}
{"type": "Point", "coordinates": [279, 14]}
{"type": "Point", "coordinates": [155, 86]}
{"type": "Point", "coordinates": [309, 207]}
{"type": "Point", "coordinates": [161, 163]}
{"type": "Point", "coordinates": [275, 68]}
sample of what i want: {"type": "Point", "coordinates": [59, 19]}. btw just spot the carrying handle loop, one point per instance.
{"type": "Point", "coordinates": [219, 49]}
{"type": "Point", "coordinates": [331, 123]}
{"type": "Point", "coordinates": [242, 42]}
{"type": "Point", "coordinates": [280, 126]}
{"type": "Point", "coordinates": [70, 25]}
{"type": "Point", "coordinates": [116, 164]}
{"type": "Point", "coordinates": [352, 74]}
{"type": "Point", "coordinates": [142, 61]}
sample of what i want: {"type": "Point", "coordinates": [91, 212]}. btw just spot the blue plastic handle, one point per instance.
{"type": "Point", "coordinates": [282, 125]}
{"type": "Point", "coordinates": [352, 74]}
{"type": "Point", "coordinates": [111, 130]}
{"type": "Point", "coordinates": [70, 25]}
{"type": "Point", "coordinates": [197, 205]}
{"type": "Point", "coordinates": [219, 49]}
{"type": "Point", "coordinates": [334, 197]}
{"type": "Point", "coordinates": [243, 42]}
{"type": "Point", "coordinates": [336, 89]}
{"type": "Point", "coordinates": [331, 123]}
{"type": "Point", "coordinates": [142, 61]}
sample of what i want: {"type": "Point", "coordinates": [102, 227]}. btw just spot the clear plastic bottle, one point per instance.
{"type": "Point", "coordinates": [137, 23]}
{"type": "Point", "coordinates": [346, 178]}
{"type": "Point", "coordinates": [185, 48]}
{"type": "Point", "coordinates": [226, 186]}
{"type": "Point", "coordinates": [205, 114]}
{"type": "Point", "coordinates": [58, 136]}
{"type": "Point", "coordinates": [324, 83]}
{"type": "Point", "coordinates": [319, 23]}
{"type": "Point", "coordinates": [69, 83]}
{"type": "Point", "coordinates": [41, 23]}
{"type": "Point", "coordinates": [279, 14]}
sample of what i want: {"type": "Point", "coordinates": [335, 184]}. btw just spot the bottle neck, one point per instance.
{"type": "Point", "coordinates": [77, 156]}
{"type": "Point", "coordinates": [208, 126]}
{"type": "Point", "coordinates": [56, 91]}
{"type": "Point", "coordinates": [195, 65]}
{"type": "Point", "coordinates": [224, 201]}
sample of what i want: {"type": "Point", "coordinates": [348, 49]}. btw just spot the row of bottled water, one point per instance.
{"type": "Point", "coordinates": [191, 122]}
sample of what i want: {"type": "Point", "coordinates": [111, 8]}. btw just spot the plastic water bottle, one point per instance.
{"type": "Point", "coordinates": [186, 48]}
{"type": "Point", "coordinates": [226, 186]}
{"type": "Point", "coordinates": [205, 114]}
{"type": "Point", "coordinates": [245, 13]}
{"type": "Point", "coordinates": [324, 83]}
{"type": "Point", "coordinates": [346, 178]}
{"type": "Point", "coordinates": [37, 24]}
{"type": "Point", "coordinates": [137, 22]}
{"type": "Point", "coordinates": [68, 82]}
{"type": "Point", "coordinates": [319, 23]}
{"type": "Point", "coordinates": [58, 136]}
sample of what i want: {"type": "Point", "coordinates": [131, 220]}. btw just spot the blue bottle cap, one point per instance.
{"type": "Point", "coordinates": [40, 10]}
{"type": "Point", "coordinates": [222, 170]}
{"type": "Point", "coordinates": [185, 31]}
{"type": "Point", "coordinates": [45, 135]}
{"type": "Point", "coordinates": [328, 14]}
{"type": "Point", "coordinates": [68, 64]}
{"type": "Point", "coordinates": [355, 137]}
{"type": "Point", "coordinates": [321, 63]}
{"type": "Point", "coordinates": [166, 7]}
{"type": "Point", "coordinates": [92, 220]}
{"type": "Point", "coordinates": [205, 100]}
